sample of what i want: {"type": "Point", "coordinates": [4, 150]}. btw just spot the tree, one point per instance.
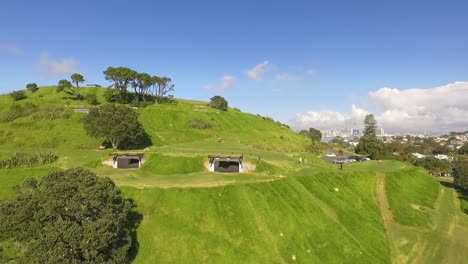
{"type": "Point", "coordinates": [18, 95]}
{"type": "Point", "coordinates": [218, 102]}
{"type": "Point", "coordinates": [463, 150]}
{"type": "Point", "coordinates": [32, 87]}
{"type": "Point", "coordinates": [370, 126]}
{"type": "Point", "coordinates": [460, 174]}
{"type": "Point", "coordinates": [121, 77]}
{"type": "Point", "coordinates": [63, 84]}
{"type": "Point", "coordinates": [118, 125]}
{"type": "Point", "coordinates": [141, 85]}
{"type": "Point", "coordinates": [160, 87]}
{"type": "Point", "coordinates": [439, 149]}
{"type": "Point", "coordinates": [69, 216]}
{"type": "Point", "coordinates": [313, 134]}
{"type": "Point", "coordinates": [369, 144]}
{"type": "Point", "coordinates": [77, 79]}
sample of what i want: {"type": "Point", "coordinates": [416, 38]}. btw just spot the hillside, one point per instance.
{"type": "Point", "coordinates": [279, 212]}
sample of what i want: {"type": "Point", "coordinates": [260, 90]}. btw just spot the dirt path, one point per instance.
{"type": "Point", "coordinates": [446, 242]}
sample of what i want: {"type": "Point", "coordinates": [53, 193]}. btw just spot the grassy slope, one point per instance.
{"type": "Point", "coordinates": [243, 222]}
{"type": "Point", "coordinates": [264, 223]}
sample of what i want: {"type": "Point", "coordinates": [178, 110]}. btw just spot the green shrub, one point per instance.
{"type": "Point", "coordinates": [17, 111]}
{"type": "Point", "coordinates": [91, 99]}
{"type": "Point", "coordinates": [32, 87]}
{"type": "Point", "coordinates": [18, 95]}
{"type": "Point", "coordinates": [52, 113]}
{"type": "Point", "coordinates": [22, 159]}
{"type": "Point", "coordinates": [199, 124]}
{"type": "Point", "coordinates": [219, 103]}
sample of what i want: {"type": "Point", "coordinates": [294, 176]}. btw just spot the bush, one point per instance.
{"type": "Point", "coordinates": [22, 159]}
{"type": "Point", "coordinates": [52, 113]}
{"type": "Point", "coordinates": [460, 174]}
{"type": "Point", "coordinates": [219, 103]}
{"type": "Point", "coordinates": [18, 95]}
{"type": "Point", "coordinates": [199, 124]}
{"type": "Point", "coordinates": [91, 99]}
{"type": "Point", "coordinates": [17, 111]}
{"type": "Point", "coordinates": [69, 216]}
{"type": "Point", "coordinates": [32, 87]}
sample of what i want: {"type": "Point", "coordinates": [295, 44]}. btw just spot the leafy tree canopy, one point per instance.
{"type": "Point", "coordinates": [463, 150]}
{"type": "Point", "coordinates": [460, 174]}
{"type": "Point", "coordinates": [218, 102]}
{"type": "Point", "coordinates": [32, 87]}
{"type": "Point", "coordinates": [69, 216]}
{"type": "Point", "coordinates": [18, 95]}
{"type": "Point", "coordinates": [369, 144]}
{"type": "Point", "coordinates": [118, 124]}
{"type": "Point", "coordinates": [312, 133]}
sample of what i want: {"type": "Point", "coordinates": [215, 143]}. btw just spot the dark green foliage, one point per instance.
{"type": "Point", "coordinates": [463, 150]}
{"type": "Point", "coordinates": [18, 95]}
{"type": "Point", "coordinates": [32, 87]}
{"type": "Point", "coordinates": [117, 124]}
{"type": "Point", "coordinates": [52, 112]}
{"type": "Point", "coordinates": [121, 77]}
{"type": "Point", "coordinates": [199, 124]}
{"type": "Point", "coordinates": [433, 165]}
{"type": "Point", "coordinates": [439, 149]}
{"type": "Point", "coordinates": [312, 133]}
{"type": "Point", "coordinates": [63, 84]}
{"type": "Point", "coordinates": [17, 111]}
{"type": "Point", "coordinates": [369, 144]}
{"type": "Point", "coordinates": [91, 99]}
{"type": "Point", "coordinates": [69, 216]}
{"type": "Point", "coordinates": [22, 159]}
{"type": "Point", "coordinates": [460, 174]}
{"type": "Point", "coordinates": [219, 103]}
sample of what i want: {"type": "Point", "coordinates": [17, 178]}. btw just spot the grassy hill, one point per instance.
{"type": "Point", "coordinates": [370, 212]}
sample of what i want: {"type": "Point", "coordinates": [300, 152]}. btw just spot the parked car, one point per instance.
{"type": "Point", "coordinates": [331, 155]}
{"type": "Point", "coordinates": [342, 161]}
{"type": "Point", "coordinates": [357, 158]}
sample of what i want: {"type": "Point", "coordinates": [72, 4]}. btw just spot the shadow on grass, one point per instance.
{"type": "Point", "coordinates": [462, 194]}
{"type": "Point", "coordinates": [134, 220]}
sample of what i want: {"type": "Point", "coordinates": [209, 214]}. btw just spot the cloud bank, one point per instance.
{"type": "Point", "coordinates": [227, 81]}
{"type": "Point", "coordinates": [49, 66]}
{"type": "Point", "coordinates": [438, 109]}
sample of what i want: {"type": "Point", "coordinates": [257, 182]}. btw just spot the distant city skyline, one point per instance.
{"type": "Point", "coordinates": [308, 64]}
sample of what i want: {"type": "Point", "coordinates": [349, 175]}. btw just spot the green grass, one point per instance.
{"type": "Point", "coordinates": [280, 209]}
{"type": "Point", "coordinates": [167, 165]}
{"type": "Point", "coordinates": [244, 223]}
{"type": "Point", "coordinates": [412, 194]}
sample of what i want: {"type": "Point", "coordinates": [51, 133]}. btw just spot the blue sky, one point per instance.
{"type": "Point", "coordinates": [318, 56]}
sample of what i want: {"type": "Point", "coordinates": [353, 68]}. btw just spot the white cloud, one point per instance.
{"type": "Point", "coordinates": [227, 81]}
{"type": "Point", "coordinates": [438, 109]}
{"type": "Point", "coordinates": [10, 49]}
{"type": "Point", "coordinates": [50, 66]}
{"type": "Point", "coordinates": [327, 119]}
{"type": "Point", "coordinates": [259, 70]}
{"type": "Point", "coordinates": [286, 77]}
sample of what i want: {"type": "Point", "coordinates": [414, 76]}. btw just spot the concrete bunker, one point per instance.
{"type": "Point", "coordinates": [127, 160]}
{"type": "Point", "coordinates": [226, 163]}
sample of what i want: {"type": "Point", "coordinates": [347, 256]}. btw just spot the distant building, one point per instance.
{"type": "Point", "coordinates": [441, 157]}
{"type": "Point", "coordinates": [418, 155]}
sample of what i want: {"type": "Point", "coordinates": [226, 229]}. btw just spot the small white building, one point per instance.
{"type": "Point", "coordinates": [441, 157]}
{"type": "Point", "coordinates": [226, 163]}
{"type": "Point", "coordinates": [127, 160]}
{"type": "Point", "coordinates": [418, 155]}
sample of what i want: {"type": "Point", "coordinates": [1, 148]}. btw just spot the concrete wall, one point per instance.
{"type": "Point", "coordinates": [127, 162]}
{"type": "Point", "coordinates": [226, 165]}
